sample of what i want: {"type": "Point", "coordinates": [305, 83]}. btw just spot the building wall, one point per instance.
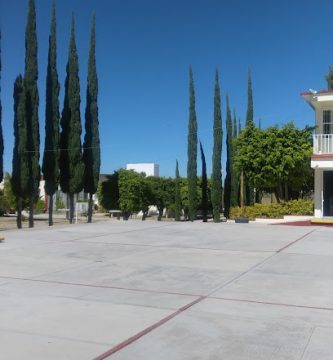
{"type": "Point", "coordinates": [318, 196]}
{"type": "Point", "coordinates": [150, 169]}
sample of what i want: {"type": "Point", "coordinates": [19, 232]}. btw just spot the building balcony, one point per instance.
{"type": "Point", "coordinates": [323, 144]}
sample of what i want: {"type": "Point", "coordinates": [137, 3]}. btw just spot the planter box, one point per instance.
{"type": "Point", "coordinates": [241, 220]}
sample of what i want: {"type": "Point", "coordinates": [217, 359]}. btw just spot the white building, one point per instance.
{"type": "Point", "coordinates": [322, 157]}
{"type": "Point", "coordinates": [150, 169]}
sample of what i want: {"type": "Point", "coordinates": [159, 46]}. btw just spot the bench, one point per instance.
{"type": "Point", "coordinates": [117, 213]}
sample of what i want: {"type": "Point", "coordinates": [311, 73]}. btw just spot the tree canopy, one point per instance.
{"type": "Point", "coordinates": [276, 160]}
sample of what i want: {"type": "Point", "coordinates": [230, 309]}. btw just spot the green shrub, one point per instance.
{"type": "Point", "coordinates": [60, 204]}
{"type": "Point", "coordinates": [274, 210]}
{"type": "Point", "coordinates": [40, 206]}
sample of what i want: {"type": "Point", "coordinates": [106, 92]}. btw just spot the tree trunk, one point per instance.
{"type": "Point", "coordinates": [286, 191]}
{"type": "Point", "coordinates": [71, 208]}
{"type": "Point", "coordinates": [160, 214]}
{"type": "Point", "coordinates": [90, 207]}
{"type": "Point", "coordinates": [50, 210]}
{"type": "Point", "coordinates": [19, 213]}
{"type": "Point", "coordinates": [242, 191]}
{"type": "Point", "coordinates": [31, 212]}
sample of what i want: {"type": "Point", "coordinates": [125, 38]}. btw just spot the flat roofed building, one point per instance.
{"type": "Point", "coordinates": [150, 169]}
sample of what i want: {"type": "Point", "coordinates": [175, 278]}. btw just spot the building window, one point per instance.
{"type": "Point", "coordinates": [327, 122]}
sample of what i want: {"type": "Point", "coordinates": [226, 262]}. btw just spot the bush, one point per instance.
{"type": "Point", "coordinates": [60, 204]}
{"type": "Point", "coordinates": [274, 210]}
{"type": "Point", "coordinates": [40, 206]}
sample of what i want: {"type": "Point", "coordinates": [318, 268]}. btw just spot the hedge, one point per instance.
{"type": "Point", "coordinates": [274, 210]}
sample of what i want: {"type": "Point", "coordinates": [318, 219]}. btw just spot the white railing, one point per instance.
{"type": "Point", "coordinates": [323, 144]}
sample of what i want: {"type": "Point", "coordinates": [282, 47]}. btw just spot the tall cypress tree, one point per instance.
{"type": "Point", "coordinates": [51, 149]}
{"type": "Point", "coordinates": [1, 134]}
{"type": "Point", "coordinates": [217, 153]}
{"type": "Point", "coordinates": [249, 112]}
{"type": "Point", "coordinates": [178, 205]}
{"type": "Point", "coordinates": [192, 152]}
{"type": "Point", "coordinates": [20, 174]}
{"type": "Point", "coordinates": [234, 198]}
{"type": "Point", "coordinates": [228, 177]}
{"type": "Point", "coordinates": [71, 164]}
{"type": "Point", "coordinates": [204, 188]}
{"type": "Point", "coordinates": [91, 146]}
{"type": "Point", "coordinates": [239, 126]}
{"type": "Point", "coordinates": [234, 130]}
{"type": "Point", "coordinates": [249, 124]}
{"type": "Point", "coordinates": [32, 102]}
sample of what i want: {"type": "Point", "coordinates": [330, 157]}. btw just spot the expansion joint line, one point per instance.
{"type": "Point", "coordinates": [147, 330]}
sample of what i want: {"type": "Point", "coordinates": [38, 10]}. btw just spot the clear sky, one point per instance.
{"type": "Point", "coordinates": [144, 49]}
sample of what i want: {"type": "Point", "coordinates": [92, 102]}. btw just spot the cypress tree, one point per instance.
{"type": "Point", "coordinates": [51, 149]}
{"type": "Point", "coordinates": [239, 126]}
{"type": "Point", "coordinates": [204, 189]}
{"type": "Point", "coordinates": [32, 102]}
{"type": "Point", "coordinates": [228, 177]}
{"type": "Point", "coordinates": [250, 125]}
{"type": "Point", "coordinates": [71, 164]}
{"type": "Point", "coordinates": [1, 134]}
{"type": "Point", "coordinates": [249, 112]}
{"type": "Point", "coordinates": [178, 205]}
{"type": "Point", "coordinates": [20, 175]}
{"type": "Point", "coordinates": [234, 199]}
{"type": "Point", "coordinates": [192, 153]}
{"type": "Point", "coordinates": [234, 130]}
{"type": "Point", "coordinates": [217, 153]}
{"type": "Point", "coordinates": [91, 146]}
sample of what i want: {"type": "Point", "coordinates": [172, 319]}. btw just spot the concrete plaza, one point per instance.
{"type": "Point", "coordinates": [150, 290]}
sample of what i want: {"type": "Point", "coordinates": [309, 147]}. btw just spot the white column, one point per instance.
{"type": "Point", "coordinates": [318, 193]}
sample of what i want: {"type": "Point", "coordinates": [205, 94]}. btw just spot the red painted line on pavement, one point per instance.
{"type": "Point", "coordinates": [146, 331]}
{"type": "Point", "coordinates": [273, 303]}
{"type": "Point", "coordinates": [295, 241]}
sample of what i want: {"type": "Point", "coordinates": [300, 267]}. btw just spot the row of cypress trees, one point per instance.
{"type": "Point", "coordinates": [192, 143]}
{"type": "Point", "coordinates": [64, 162]}
{"type": "Point", "coordinates": [231, 193]}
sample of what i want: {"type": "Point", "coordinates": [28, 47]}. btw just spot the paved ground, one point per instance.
{"type": "Point", "coordinates": [167, 291]}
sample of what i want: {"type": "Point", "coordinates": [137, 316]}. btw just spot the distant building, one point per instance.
{"type": "Point", "coordinates": [150, 169]}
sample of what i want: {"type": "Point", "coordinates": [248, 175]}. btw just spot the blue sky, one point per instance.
{"type": "Point", "coordinates": [144, 49]}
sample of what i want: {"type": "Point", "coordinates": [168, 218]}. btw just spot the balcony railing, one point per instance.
{"type": "Point", "coordinates": [323, 144]}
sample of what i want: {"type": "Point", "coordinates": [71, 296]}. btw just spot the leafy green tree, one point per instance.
{"type": "Point", "coordinates": [277, 160]}
{"type": "Point", "coordinates": [135, 194]}
{"type": "Point", "coordinates": [32, 103]}
{"type": "Point", "coordinates": [228, 178]}
{"type": "Point", "coordinates": [329, 78]}
{"type": "Point", "coordinates": [1, 134]}
{"type": "Point", "coordinates": [217, 153]}
{"type": "Point", "coordinates": [20, 178]}
{"type": "Point", "coordinates": [91, 146]}
{"type": "Point", "coordinates": [71, 164]}
{"type": "Point", "coordinates": [50, 166]}
{"type": "Point", "coordinates": [192, 152]}
{"type": "Point", "coordinates": [162, 190]}
{"type": "Point", "coordinates": [204, 189]}
{"type": "Point", "coordinates": [178, 204]}
{"type": "Point", "coordinates": [8, 192]}
{"type": "Point", "coordinates": [108, 192]}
